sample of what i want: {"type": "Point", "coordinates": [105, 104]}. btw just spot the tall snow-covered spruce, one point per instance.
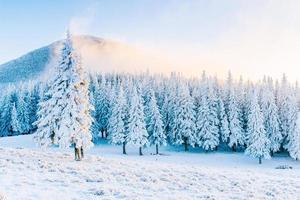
{"type": "Point", "coordinates": [154, 123]}
{"type": "Point", "coordinates": [101, 114]}
{"type": "Point", "coordinates": [259, 143]}
{"type": "Point", "coordinates": [116, 123]}
{"type": "Point", "coordinates": [136, 128]}
{"type": "Point", "coordinates": [236, 136]}
{"type": "Point", "coordinates": [271, 116]}
{"type": "Point", "coordinates": [64, 116]}
{"type": "Point", "coordinates": [184, 126]}
{"type": "Point", "coordinates": [207, 122]}
{"type": "Point", "coordinates": [294, 143]}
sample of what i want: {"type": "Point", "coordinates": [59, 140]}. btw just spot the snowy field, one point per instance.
{"type": "Point", "coordinates": [27, 172]}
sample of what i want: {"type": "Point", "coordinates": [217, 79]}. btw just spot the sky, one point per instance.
{"type": "Point", "coordinates": [250, 38]}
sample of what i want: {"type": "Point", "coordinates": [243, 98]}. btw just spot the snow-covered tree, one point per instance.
{"type": "Point", "coordinates": [16, 127]}
{"type": "Point", "coordinates": [101, 102]}
{"type": "Point", "coordinates": [287, 105]}
{"type": "Point", "coordinates": [64, 117]}
{"type": "Point", "coordinates": [168, 109]}
{"type": "Point", "coordinates": [154, 123]}
{"type": "Point", "coordinates": [34, 98]}
{"type": "Point", "coordinates": [21, 123]}
{"type": "Point", "coordinates": [207, 119]}
{"type": "Point", "coordinates": [116, 123]}
{"type": "Point", "coordinates": [223, 121]}
{"type": "Point", "coordinates": [294, 143]}
{"type": "Point", "coordinates": [271, 117]}
{"type": "Point", "coordinates": [242, 98]}
{"type": "Point", "coordinates": [259, 144]}
{"type": "Point", "coordinates": [184, 126]}
{"type": "Point", "coordinates": [6, 106]}
{"type": "Point", "coordinates": [236, 136]}
{"type": "Point", "coordinates": [136, 128]}
{"type": "Point", "coordinates": [291, 117]}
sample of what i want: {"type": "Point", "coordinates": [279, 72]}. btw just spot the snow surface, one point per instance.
{"type": "Point", "coordinates": [27, 172]}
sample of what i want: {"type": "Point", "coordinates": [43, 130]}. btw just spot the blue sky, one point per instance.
{"type": "Point", "coordinates": [260, 35]}
{"type": "Point", "coordinates": [32, 23]}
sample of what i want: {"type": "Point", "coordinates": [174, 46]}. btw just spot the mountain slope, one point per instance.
{"type": "Point", "coordinates": [97, 55]}
{"type": "Point", "coordinates": [26, 67]}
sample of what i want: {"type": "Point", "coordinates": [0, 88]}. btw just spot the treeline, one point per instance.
{"type": "Point", "coordinates": [258, 118]}
{"type": "Point", "coordinates": [18, 109]}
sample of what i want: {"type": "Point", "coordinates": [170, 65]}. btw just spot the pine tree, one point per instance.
{"type": "Point", "coordinates": [116, 123]}
{"type": "Point", "coordinates": [223, 126]}
{"type": "Point", "coordinates": [101, 114]}
{"type": "Point", "coordinates": [184, 126]}
{"type": "Point", "coordinates": [166, 115]}
{"type": "Point", "coordinates": [223, 121]}
{"type": "Point", "coordinates": [207, 119]}
{"type": "Point", "coordinates": [259, 144]}
{"type": "Point", "coordinates": [34, 100]}
{"type": "Point", "coordinates": [136, 129]}
{"type": "Point", "coordinates": [15, 121]}
{"type": "Point", "coordinates": [294, 143]}
{"type": "Point", "coordinates": [287, 105]}
{"type": "Point", "coordinates": [271, 117]}
{"type": "Point", "coordinates": [64, 118]}
{"type": "Point", "coordinates": [291, 117]}
{"type": "Point", "coordinates": [23, 112]}
{"type": "Point", "coordinates": [6, 107]}
{"type": "Point", "coordinates": [242, 103]}
{"type": "Point", "coordinates": [236, 136]}
{"type": "Point", "coordinates": [154, 123]}
{"type": "Point", "coordinates": [249, 88]}
{"type": "Point", "coordinates": [94, 92]}
{"type": "Point", "coordinates": [169, 109]}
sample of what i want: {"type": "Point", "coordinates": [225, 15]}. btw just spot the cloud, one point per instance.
{"type": "Point", "coordinates": [83, 23]}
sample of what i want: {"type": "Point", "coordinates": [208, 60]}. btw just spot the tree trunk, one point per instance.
{"type": "Point", "coordinates": [281, 149]}
{"type": "Point", "coordinates": [186, 148]}
{"type": "Point", "coordinates": [105, 133]}
{"type": "Point", "coordinates": [82, 154]}
{"type": "Point", "coordinates": [259, 160]}
{"type": "Point", "coordinates": [272, 153]}
{"type": "Point", "coordinates": [157, 149]}
{"type": "Point", "coordinates": [77, 153]}
{"type": "Point", "coordinates": [124, 148]}
{"type": "Point", "coordinates": [140, 150]}
{"type": "Point", "coordinates": [102, 133]}
{"type": "Point", "coordinates": [233, 148]}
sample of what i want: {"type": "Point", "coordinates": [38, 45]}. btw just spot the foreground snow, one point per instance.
{"type": "Point", "coordinates": [31, 173]}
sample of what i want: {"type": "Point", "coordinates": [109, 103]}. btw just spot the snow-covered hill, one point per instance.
{"type": "Point", "coordinates": [26, 67]}
{"type": "Point", "coordinates": [98, 55]}
{"type": "Point", "coordinates": [30, 173]}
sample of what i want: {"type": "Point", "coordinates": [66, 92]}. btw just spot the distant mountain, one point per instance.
{"type": "Point", "coordinates": [97, 55]}
{"type": "Point", "coordinates": [26, 67]}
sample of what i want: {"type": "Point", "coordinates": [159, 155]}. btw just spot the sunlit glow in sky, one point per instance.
{"type": "Point", "coordinates": [250, 38]}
